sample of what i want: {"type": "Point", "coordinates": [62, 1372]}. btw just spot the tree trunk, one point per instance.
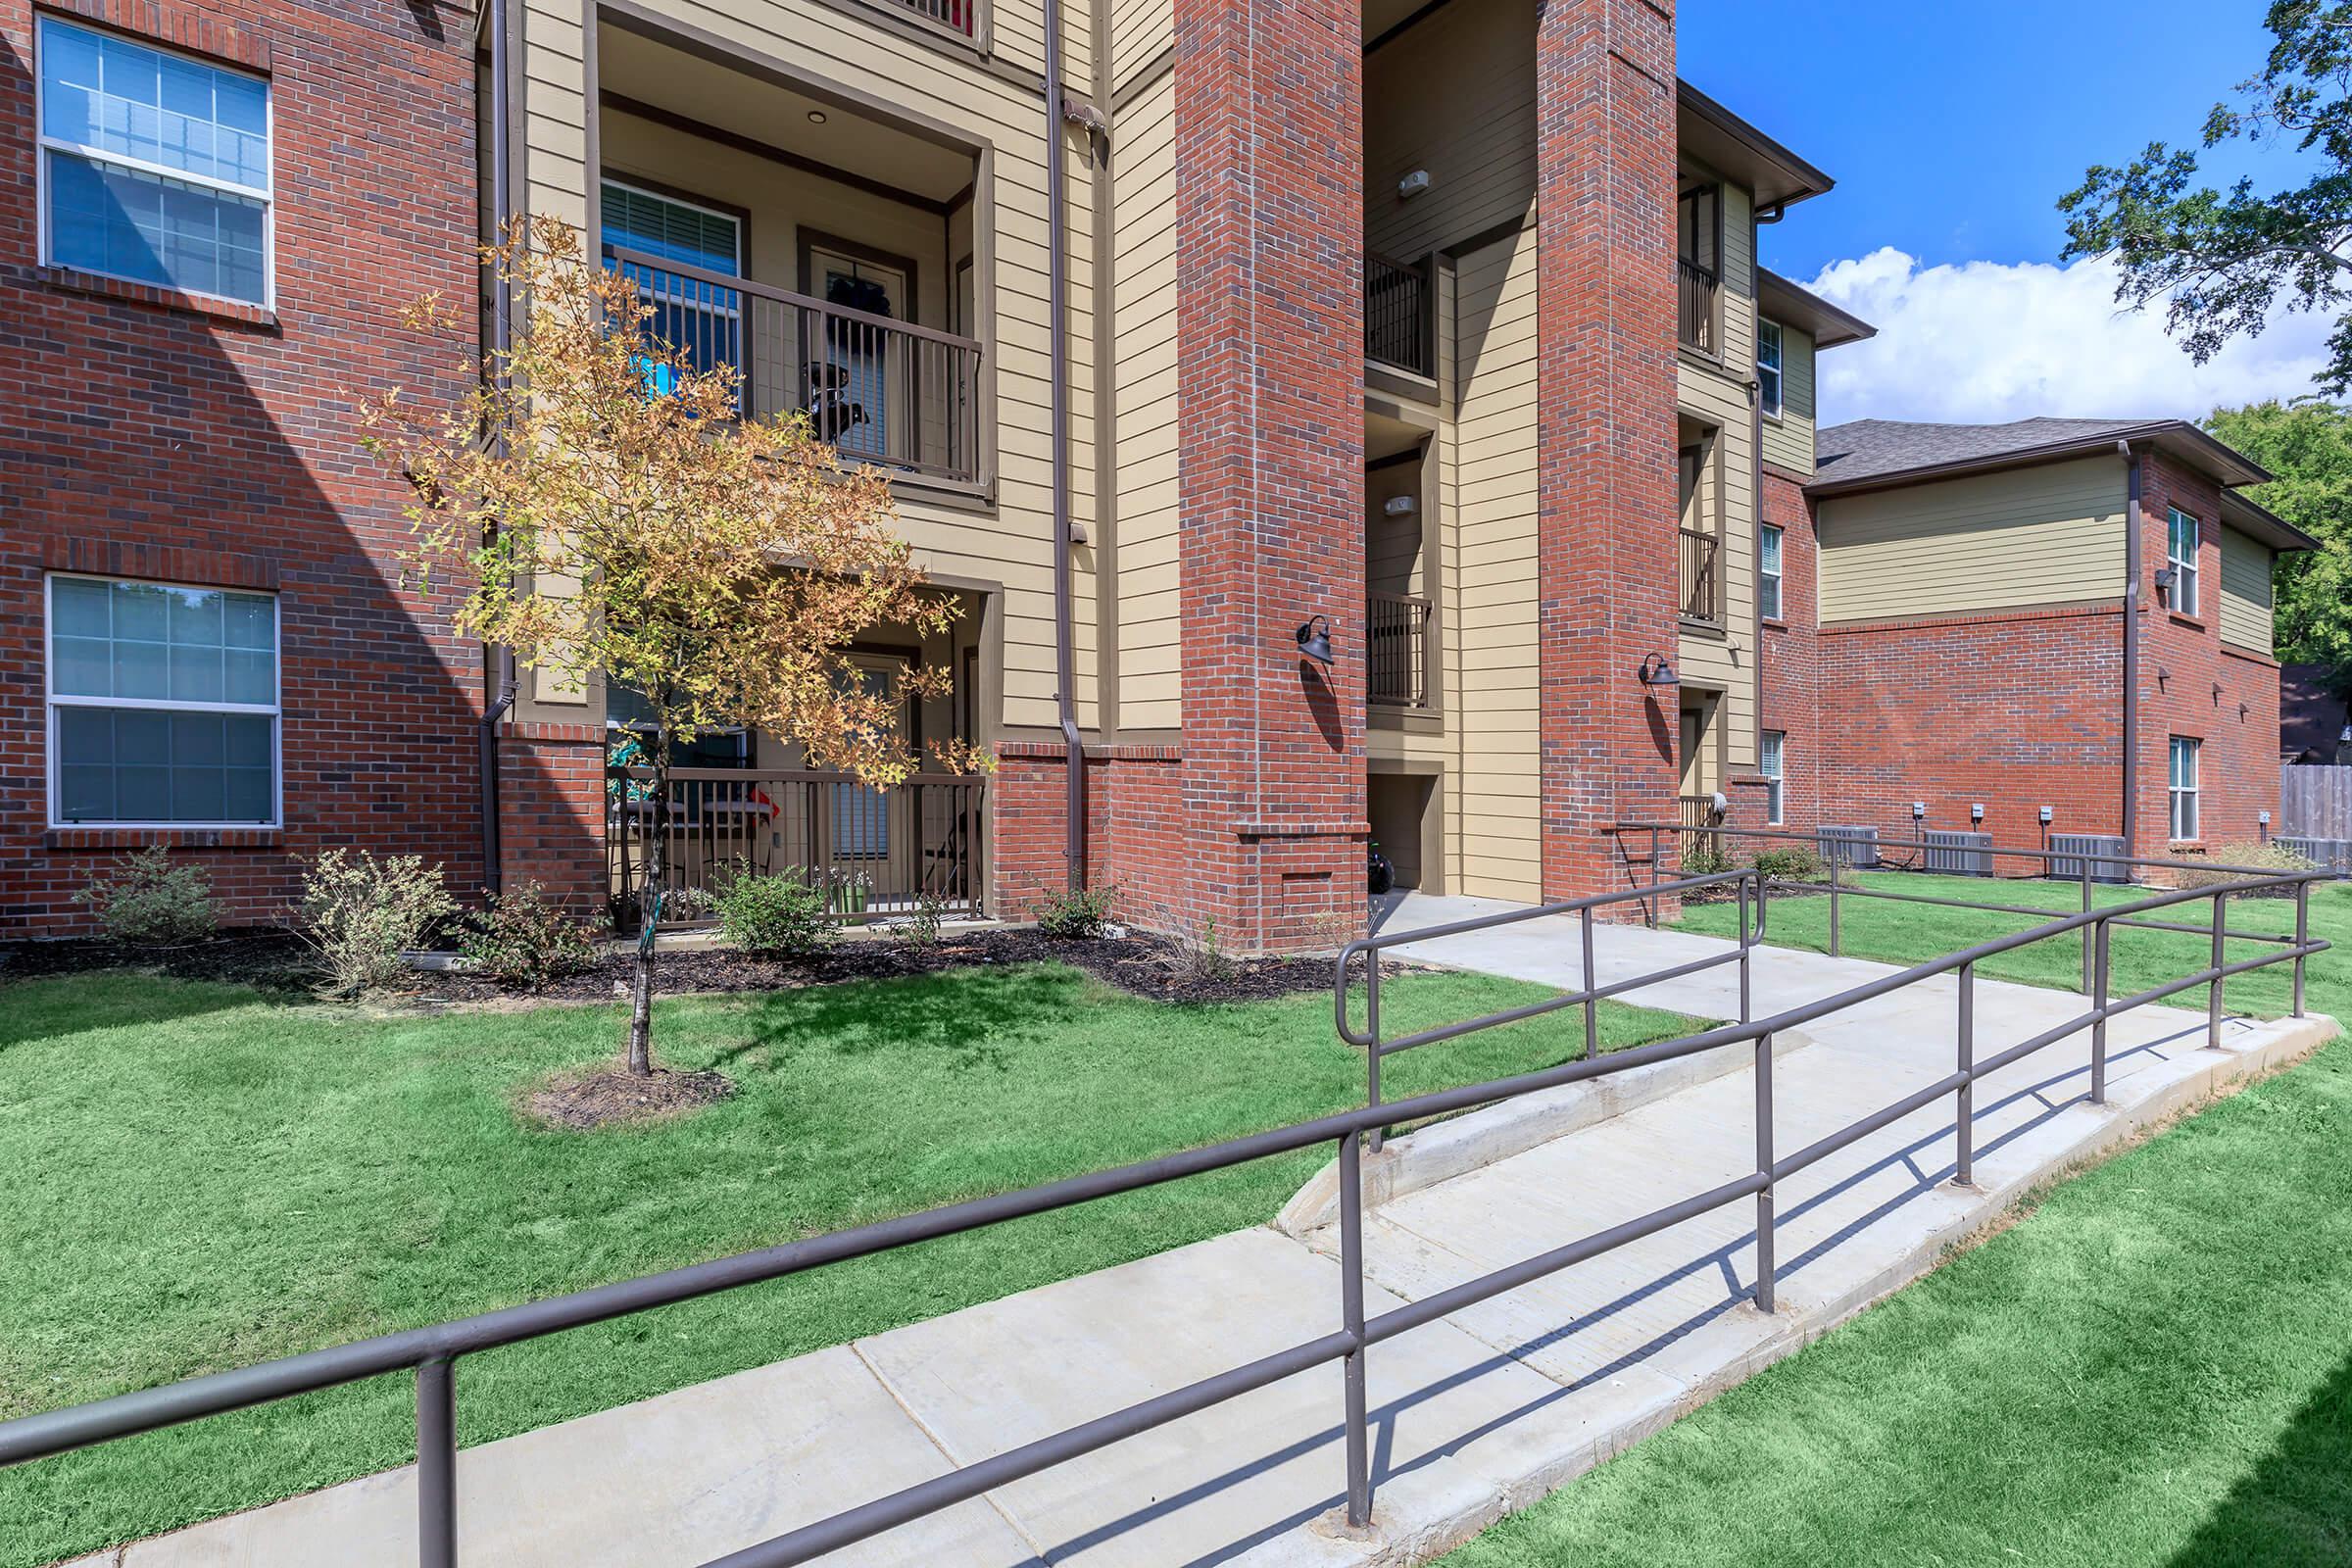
{"type": "Point", "coordinates": [649, 904]}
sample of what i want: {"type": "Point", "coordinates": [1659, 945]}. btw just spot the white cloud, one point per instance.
{"type": "Point", "coordinates": [1988, 341]}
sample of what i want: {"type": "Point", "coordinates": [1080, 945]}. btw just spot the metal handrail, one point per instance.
{"type": "Point", "coordinates": [431, 1352]}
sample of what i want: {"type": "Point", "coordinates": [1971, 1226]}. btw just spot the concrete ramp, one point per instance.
{"type": "Point", "coordinates": [1473, 1415]}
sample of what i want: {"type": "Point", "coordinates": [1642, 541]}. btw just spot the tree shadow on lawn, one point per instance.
{"type": "Point", "coordinates": [969, 1019]}
{"type": "Point", "coordinates": [52, 1008]}
{"type": "Point", "coordinates": [2296, 1506]}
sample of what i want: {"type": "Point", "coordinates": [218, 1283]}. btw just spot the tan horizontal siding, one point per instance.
{"type": "Point", "coordinates": [1488, 482]}
{"type": "Point", "coordinates": [1455, 96]}
{"type": "Point", "coordinates": [2050, 535]}
{"type": "Point", "coordinates": [1146, 386]}
{"type": "Point", "coordinates": [1789, 439]}
{"type": "Point", "coordinates": [2246, 593]}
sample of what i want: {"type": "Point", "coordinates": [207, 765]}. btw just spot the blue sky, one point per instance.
{"type": "Point", "coordinates": [1951, 145]}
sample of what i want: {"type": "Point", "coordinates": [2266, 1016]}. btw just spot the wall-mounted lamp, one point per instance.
{"type": "Point", "coordinates": [2166, 577]}
{"type": "Point", "coordinates": [1398, 506]}
{"type": "Point", "coordinates": [1975, 813]}
{"type": "Point", "coordinates": [1412, 184]}
{"type": "Point", "coordinates": [1315, 644]}
{"type": "Point", "coordinates": [1918, 810]}
{"type": "Point", "coordinates": [1658, 671]}
{"type": "Point", "coordinates": [2047, 815]}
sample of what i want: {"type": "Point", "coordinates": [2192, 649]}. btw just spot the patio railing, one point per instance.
{"type": "Point", "coordinates": [1703, 584]}
{"type": "Point", "coordinates": [882, 391]}
{"type": "Point", "coordinates": [1397, 650]}
{"type": "Point", "coordinates": [1696, 287]}
{"type": "Point", "coordinates": [432, 1353]}
{"type": "Point", "coordinates": [876, 851]}
{"type": "Point", "coordinates": [1400, 314]}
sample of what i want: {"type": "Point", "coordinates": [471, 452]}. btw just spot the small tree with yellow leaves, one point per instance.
{"type": "Point", "coordinates": [605, 508]}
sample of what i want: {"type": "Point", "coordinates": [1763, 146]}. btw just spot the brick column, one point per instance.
{"type": "Point", "coordinates": [1269, 150]}
{"type": "Point", "coordinates": [1605, 375]}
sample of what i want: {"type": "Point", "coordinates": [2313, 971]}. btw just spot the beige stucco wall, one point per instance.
{"type": "Point", "coordinates": [2246, 593]}
{"type": "Point", "coordinates": [2042, 536]}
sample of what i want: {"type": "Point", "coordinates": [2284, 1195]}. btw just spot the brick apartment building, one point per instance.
{"type": "Point", "coordinates": [1193, 332]}
{"type": "Point", "coordinates": [1958, 603]}
{"type": "Point", "coordinates": [204, 239]}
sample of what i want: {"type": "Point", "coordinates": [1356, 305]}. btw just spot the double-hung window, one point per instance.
{"type": "Point", "coordinates": [1771, 760]}
{"type": "Point", "coordinates": [1767, 573]}
{"type": "Point", "coordinates": [2181, 553]}
{"type": "Point", "coordinates": [701, 319]}
{"type": "Point", "coordinates": [154, 167]}
{"type": "Point", "coordinates": [2185, 788]}
{"type": "Point", "coordinates": [1768, 366]}
{"type": "Point", "coordinates": [163, 705]}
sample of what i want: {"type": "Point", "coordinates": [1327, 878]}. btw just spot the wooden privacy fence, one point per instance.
{"type": "Point", "coordinates": [2314, 814]}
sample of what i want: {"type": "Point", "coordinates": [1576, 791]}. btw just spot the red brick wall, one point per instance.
{"type": "Point", "coordinates": [1269, 328]}
{"type": "Point", "coordinates": [1136, 834]}
{"type": "Point", "coordinates": [551, 811]}
{"type": "Point", "coordinates": [1606, 568]}
{"type": "Point", "coordinates": [2190, 685]}
{"type": "Point", "coordinates": [212, 446]}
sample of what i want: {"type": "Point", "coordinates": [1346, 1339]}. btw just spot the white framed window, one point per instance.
{"type": "Point", "coordinates": [154, 167]}
{"type": "Point", "coordinates": [2181, 554]}
{"type": "Point", "coordinates": [2184, 787]}
{"type": "Point", "coordinates": [1770, 760]}
{"type": "Point", "coordinates": [1767, 573]}
{"type": "Point", "coordinates": [1768, 366]}
{"type": "Point", "coordinates": [163, 706]}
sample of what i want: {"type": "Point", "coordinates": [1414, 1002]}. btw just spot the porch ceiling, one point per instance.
{"type": "Point", "coordinates": [753, 108]}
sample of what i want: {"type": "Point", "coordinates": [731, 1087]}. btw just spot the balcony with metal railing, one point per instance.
{"type": "Point", "coordinates": [1397, 650]}
{"type": "Point", "coordinates": [1698, 287]}
{"type": "Point", "coordinates": [1400, 314]}
{"type": "Point", "coordinates": [1702, 577]}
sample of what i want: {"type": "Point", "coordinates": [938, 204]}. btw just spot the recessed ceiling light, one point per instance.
{"type": "Point", "coordinates": [817, 117]}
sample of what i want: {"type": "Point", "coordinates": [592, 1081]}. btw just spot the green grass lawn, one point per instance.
{"type": "Point", "coordinates": [2153, 1370]}
{"type": "Point", "coordinates": [198, 1177]}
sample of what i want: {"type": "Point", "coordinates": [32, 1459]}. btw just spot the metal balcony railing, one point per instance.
{"type": "Point", "coordinates": [1702, 581]}
{"type": "Point", "coordinates": [875, 852]}
{"type": "Point", "coordinates": [1698, 288]}
{"type": "Point", "coordinates": [956, 16]}
{"type": "Point", "coordinates": [1400, 314]}
{"type": "Point", "coordinates": [1397, 650]}
{"type": "Point", "coordinates": [881, 391]}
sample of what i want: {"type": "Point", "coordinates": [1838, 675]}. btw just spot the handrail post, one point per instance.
{"type": "Point", "coordinates": [1351, 1316]}
{"type": "Point", "coordinates": [1592, 983]}
{"type": "Point", "coordinates": [2099, 1004]}
{"type": "Point", "coordinates": [2086, 937]}
{"type": "Point", "coordinates": [1835, 938]}
{"type": "Point", "coordinates": [2302, 937]}
{"type": "Point", "coordinates": [1372, 1029]}
{"type": "Point", "coordinates": [1764, 1252]}
{"type": "Point", "coordinates": [2212, 992]}
{"type": "Point", "coordinates": [1657, 875]}
{"type": "Point", "coordinates": [1964, 1170]}
{"type": "Point", "coordinates": [1747, 949]}
{"type": "Point", "coordinates": [438, 1464]}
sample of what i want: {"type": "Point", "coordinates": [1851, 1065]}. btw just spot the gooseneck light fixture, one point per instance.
{"type": "Point", "coordinates": [1658, 671]}
{"type": "Point", "coordinates": [1315, 642]}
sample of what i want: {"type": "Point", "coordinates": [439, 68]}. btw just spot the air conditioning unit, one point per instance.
{"type": "Point", "coordinates": [1856, 848]}
{"type": "Point", "coordinates": [2068, 851]}
{"type": "Point", "coordinates": [1959, 853]}
{"type": "Point", "coordinates": [2333, 854]}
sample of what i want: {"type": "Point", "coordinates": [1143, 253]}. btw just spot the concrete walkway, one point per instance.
{"type": "Point", "coordinates": [1474, 1415]}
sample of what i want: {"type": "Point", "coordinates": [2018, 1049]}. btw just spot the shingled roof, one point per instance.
{"type": "Point", "coordinates": [1868, 449]}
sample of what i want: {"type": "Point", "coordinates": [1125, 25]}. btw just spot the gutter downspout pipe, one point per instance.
{"type": "Point", "coordinates": [1065, 661]}
{"type": "Point", "coordinates": [499, 676]}
{"type": "Point", "coordinates": [2131, 563]}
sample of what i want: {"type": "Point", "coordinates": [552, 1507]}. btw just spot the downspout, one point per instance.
{"type": "Point", "coordinates": [1757, 218]}
{"type": "Point", "coordinates": [1065, 659]}
{"type": "Point", "coordinates": [499, 674]}
{"type": "Point", "coordinates": [2131, 559]}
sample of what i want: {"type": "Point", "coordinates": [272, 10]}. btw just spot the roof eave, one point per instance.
{"type": "Point", "coordinates": [1777, 176]}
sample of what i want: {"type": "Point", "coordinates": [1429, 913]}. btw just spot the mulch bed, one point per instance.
{"type": "Point", "coordinates": [613, 1096]}
{"type": "Point", "coordinates": [1142, 965]}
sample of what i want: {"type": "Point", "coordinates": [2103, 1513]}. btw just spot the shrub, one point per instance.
{"type": "Point", "coordinates": [1705, 858]}
{"type": "Point", "coordinates": [1076, 913]}
{"type": "Point", "coordinates": [524, 938]}
{"type": "Point", "coordinates": [361, 913]}
{"type": "Point", "coordinates": [148, 902]}
{"type": "Point", "coordinates": [921, 928]}
{"type": "Point", "coordinates": [788, 914]}
{"type": "Point", "coordinates": [1795, 863]}
{"type": "Point", "coordinates": [1200, 961]}
{"type": "Point", "coordinates": [2204, 871]}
